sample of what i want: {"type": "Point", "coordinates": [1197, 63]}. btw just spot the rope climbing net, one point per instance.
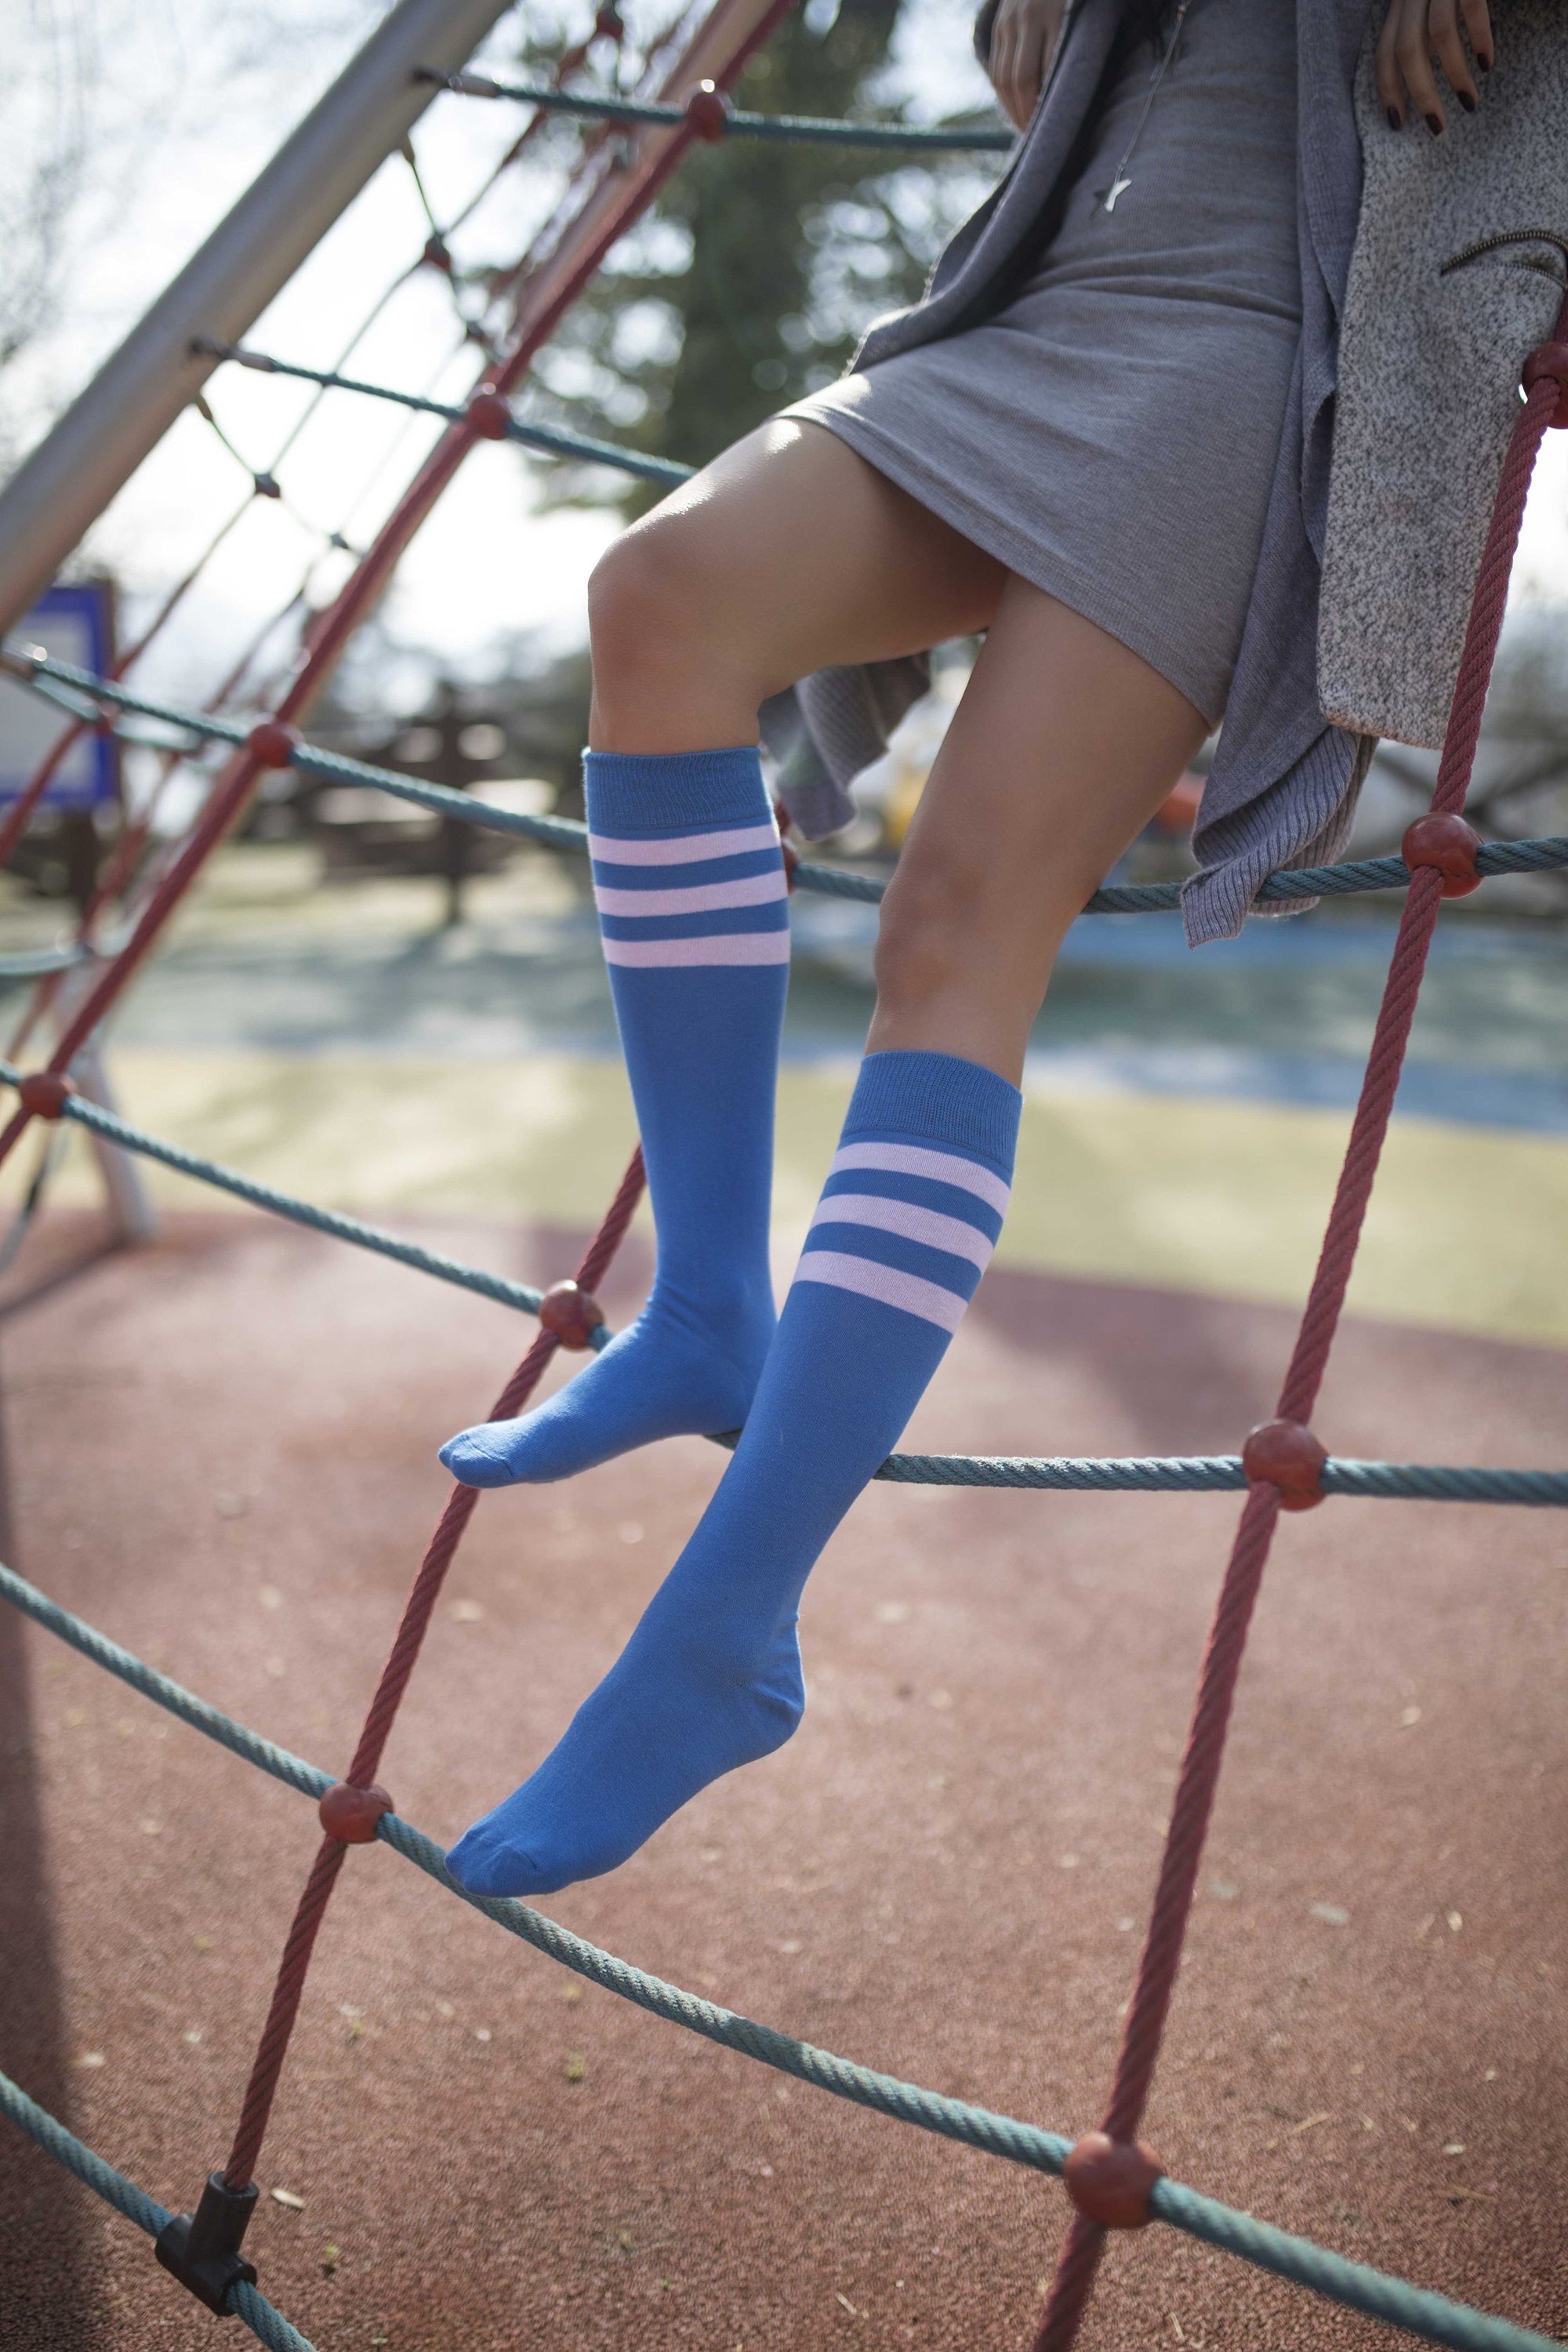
{"type": "Point", "coordinates": [1113, 2180]}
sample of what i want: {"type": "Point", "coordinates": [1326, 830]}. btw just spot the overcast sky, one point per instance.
{"type": "Point", "coordinates": [185, 100]}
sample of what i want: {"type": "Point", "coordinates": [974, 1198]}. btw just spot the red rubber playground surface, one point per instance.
{"type": "Point", "coordinates": [945, 1874]}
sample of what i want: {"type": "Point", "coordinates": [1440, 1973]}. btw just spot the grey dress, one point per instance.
{"type": "Point", "coordinates": [1112, 432]}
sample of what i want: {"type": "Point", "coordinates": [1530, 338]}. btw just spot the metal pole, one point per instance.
{"type": "Point", "coordinates": [102, 437]}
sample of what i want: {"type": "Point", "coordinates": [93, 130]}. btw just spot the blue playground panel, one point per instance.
{"type": "Point", "coordinates": [75, 625]}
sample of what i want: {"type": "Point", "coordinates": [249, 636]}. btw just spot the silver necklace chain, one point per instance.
{"type": "Point", "coordinates": [1119, 183]}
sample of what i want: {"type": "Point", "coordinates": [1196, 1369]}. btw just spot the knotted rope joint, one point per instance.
{"type": "Point", "coordinates": [353, 1814]}
{"type": "Point", "coordinates": [45, 1093]}
{"type": "Point", "coordinates": [707, 112]}
{"type": "Point", "coordinates": [787, 851]}
{"type": "Point", "coordinates": [272, 743]}
{"type": "Point", "coordinates": [488, 415]}
{"type": "Point", "coordinates": [1110, 2181]}
{"type": "Point", "coordinates": [570, 1314]}
{"type": "Point", "coordinates": [1447, 841]}
{"type": "Point", "coordinates": [1285, 1455]}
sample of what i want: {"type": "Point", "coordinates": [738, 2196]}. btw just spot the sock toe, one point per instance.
{"type": "Point", "coordinates": [662, 1378]}
{"type": "Point", "coordinates": [473, 1459]}
{"type": "Point", "coordinates": [484, 1863]}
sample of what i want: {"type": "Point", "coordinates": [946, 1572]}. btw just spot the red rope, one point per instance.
{"type": "Point", "coordinates": [294, 1966]}
{"type": "Point", "coordinates": [1200, 1769]}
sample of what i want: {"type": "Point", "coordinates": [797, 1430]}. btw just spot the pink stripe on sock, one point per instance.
{"type": "Point", "coordinates": [917, 1159]}
{"type": "Point", "coordinates": [681, 849]}
{"type": "Point", "coordinates": [698, 899]}
{"type": "Point", "coordinates": [885, 1284]}
{"type": "Point", "coordinates": [727, 947]}
{"type": "Point", "coordinates": [928, 1225]}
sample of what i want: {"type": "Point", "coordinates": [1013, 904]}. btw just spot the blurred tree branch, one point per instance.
{"type": "Point", "coordinates": [751, 280]}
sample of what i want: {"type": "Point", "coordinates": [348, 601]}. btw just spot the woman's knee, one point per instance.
{"type": "Point", "coordinates": [929, 940]}
{"type": "Point", "coordinates": [625, 607]}
{"type": "Point", "coordinates": [659, 590]}
{"type": "Point", "coordinates": [961, 927]}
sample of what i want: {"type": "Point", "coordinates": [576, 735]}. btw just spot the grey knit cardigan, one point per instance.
{"type": "Point", "coordinates": [1430, 268]}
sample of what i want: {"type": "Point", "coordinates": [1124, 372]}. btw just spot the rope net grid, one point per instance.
{"type": "Point", "coordinates": [1113, 2181]}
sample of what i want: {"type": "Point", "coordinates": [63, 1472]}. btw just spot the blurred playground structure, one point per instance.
{"type": "Point", "coordinates": [206, 776]}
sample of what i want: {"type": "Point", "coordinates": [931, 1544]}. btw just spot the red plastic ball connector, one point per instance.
{"type": "Point", "coordinates": [1451, 845]}
{"type": "Point", "coordinates": [790, 855]}
{"type": "Point", "coordinates": [608, 26]}
{"type": "Point", "coordinates": [271, 743]}
{"type": "Point", "coordinates": [43, 1094]}
{"type": "Point", "coordinates": [490, 415]}
{"type": "Point", "coordinates": [570, 1314]}
{"type": "Point", "coordinates": [1285, 1455]}
{"type": "Point", "coordinates": [1108, 2180]}
{"type": "Point", "coordinates": [707, 112]}
{"type": "Point", "coordinates": [437, 255]}
{"type": "Point", "coordinates": [351, 1814]}
{"type": "Point", "coordinates": [1550, 360]}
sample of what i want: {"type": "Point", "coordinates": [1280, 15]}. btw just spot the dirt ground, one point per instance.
{"type": "Point", "coordinates": [221, 1451]}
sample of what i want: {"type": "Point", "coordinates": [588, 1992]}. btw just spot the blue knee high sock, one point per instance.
{"type": "Point", "coordinates": [711, 1678]}
{"type": "Point", "coordinates": [689, 882]}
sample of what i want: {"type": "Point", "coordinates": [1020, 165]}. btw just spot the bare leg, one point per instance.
{"type": "Point", "coordinates": [788, 554]}
{"type": "Point", "coordinates": [1063, 745]}
{"type": "Point", "coordinates": [791, 554]}
{"type": "Point", "coordinates": [1062, 748]}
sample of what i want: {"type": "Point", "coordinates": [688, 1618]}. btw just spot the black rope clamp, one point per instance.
{"type": "Point", "coordinates": [202, 2249]}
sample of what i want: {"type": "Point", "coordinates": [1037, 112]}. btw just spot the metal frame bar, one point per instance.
{"type": "Point", "coordinates": [90, 454]}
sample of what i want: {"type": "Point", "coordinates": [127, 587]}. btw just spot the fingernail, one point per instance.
{"type": "Point", "coordinates": [1483, 65]}
{"type": "Point", "coordinates": [1434, 124]}
{"type": "Point", "coordinates": [1466, 100]}
{"type": "Point", "coordinates": [1396, 119]}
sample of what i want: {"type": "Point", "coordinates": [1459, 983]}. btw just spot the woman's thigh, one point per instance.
{"type": "Point", "coordinates": [1064, 745]}
{"type": "Point", "coordinates": [789, 553]}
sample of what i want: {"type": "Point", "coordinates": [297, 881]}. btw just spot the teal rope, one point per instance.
{"type": "Point", "coordinates": [1220, 1472]}
{"type": "Point", "coordinates": [551, 438]}
{"type": "Point", "coordinates": [954, 2119]}
{"type": "Point", "coordinates": [1019, 2142]}
{"type": "Point", "coordinates": [1436, 1483]}
{"type": "Point", "coordinates": [211, 1721]}
{"type": "Point", "coordinates": [1393, 2300]}
{"type": "Point", "coordinates": [811, 130]}
{"type": "Point", "coordinates": [48, 677]}
{"type": "Point", "coordinates": [115, 1129]}
{"type": "Point", "coordinates": [1327, 2274]}
{"type": "Point", "coordinates": [52, 2136]}
{"type": "Point", "coordinates": [1199, 1473]}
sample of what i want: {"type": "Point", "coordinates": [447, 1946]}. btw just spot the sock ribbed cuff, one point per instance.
{"type": "Point", "coordinates": [937, 1098]}
{"type": "Point", "coordinates": [633, 792]}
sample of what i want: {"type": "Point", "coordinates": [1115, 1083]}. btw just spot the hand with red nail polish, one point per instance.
{"type": "Point", "coordinates": [1422, 37]}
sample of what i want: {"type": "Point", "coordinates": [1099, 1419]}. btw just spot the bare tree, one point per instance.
{"type": "Point", "coordinates": [43, 148]}
{"type": "Point", "coordinates": [96, 97]}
